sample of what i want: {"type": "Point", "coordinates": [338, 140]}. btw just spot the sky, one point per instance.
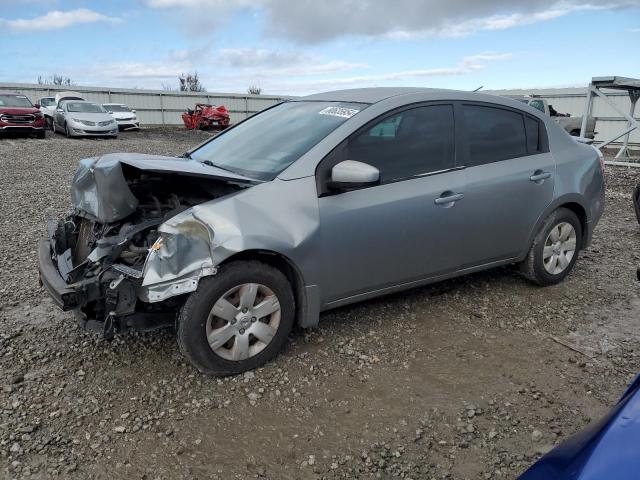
{"type": "Point", "coordinates": [296, 47]}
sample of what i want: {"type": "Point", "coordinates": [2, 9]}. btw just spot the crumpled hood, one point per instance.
{"type": "Point", "coordinates": [101, 190]}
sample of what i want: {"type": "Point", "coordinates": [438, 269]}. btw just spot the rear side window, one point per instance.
{"type": "Point", "coordinates": [410, 143]}
{"type": "Point", "coordinates": [493, 134]}
{"type": "Point", "coordinates": [532, 127]}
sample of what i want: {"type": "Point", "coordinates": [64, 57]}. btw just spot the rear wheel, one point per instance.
{"type": "Point", "coordinates": [555, 249]}
{"type": "Point", "coordinates": [237, 320]}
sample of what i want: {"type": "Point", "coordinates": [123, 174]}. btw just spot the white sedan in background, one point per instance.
{"type": "Point", "coordinates": [126, 117]}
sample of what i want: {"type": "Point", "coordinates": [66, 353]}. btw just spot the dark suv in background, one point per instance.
{"type": "Point", "coordinates": [19, 115]}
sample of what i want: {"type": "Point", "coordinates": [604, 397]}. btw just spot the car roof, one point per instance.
{"type": "Point", "coordinates": [364, 95]}
{"type": "Point", "coordinates": [379, 94]}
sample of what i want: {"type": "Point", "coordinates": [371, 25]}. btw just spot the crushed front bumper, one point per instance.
{"type": "Point", "coordinates": [74, 297]}
{"type": "Point", "coordinates": [61, 293]}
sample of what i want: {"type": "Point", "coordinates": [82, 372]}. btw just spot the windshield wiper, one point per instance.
{"type": "Point", "coordinates": [211, 164]}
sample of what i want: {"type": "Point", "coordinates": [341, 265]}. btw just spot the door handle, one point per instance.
{"type": "Point", "coordinates": [539, 175]}
{"type": "Point", "coordinates": [448, 198]}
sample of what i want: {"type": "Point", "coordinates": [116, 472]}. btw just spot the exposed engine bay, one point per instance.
{"type": "Point", "coordinates": [100, 248]}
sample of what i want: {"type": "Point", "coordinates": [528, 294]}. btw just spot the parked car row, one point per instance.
{"type": "Point", "coordinates": [68, 113]}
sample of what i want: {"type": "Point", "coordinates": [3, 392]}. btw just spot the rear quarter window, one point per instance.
{"type": "Point", "coordinates": [532, 128]}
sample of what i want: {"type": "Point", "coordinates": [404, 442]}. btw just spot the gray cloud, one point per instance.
{"type": "Point", "coordinates": [313, 21]}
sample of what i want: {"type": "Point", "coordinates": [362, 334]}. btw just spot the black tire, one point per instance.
{"type": "Point", "coordinates": [636, 201]}
{"type": "Point", "coordinates": [533, 267]}
{"type": "Point", "coordinates": [50, 124]}
{"type": "Point", "coordinates": [66, 130]}
{"type": "Point", "coordinates": [191, 328]}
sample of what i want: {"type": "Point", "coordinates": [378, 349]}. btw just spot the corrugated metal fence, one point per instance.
{"type": "Point", "coordinates": [154, 107]}
{"type": "Point", "coordinates": [572, 101]}
{"type": "Point", "coordinates": [158, 107]}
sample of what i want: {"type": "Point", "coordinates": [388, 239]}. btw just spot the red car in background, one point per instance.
{"type": "Point", "coordinates": [206, 117]}
{"type": "Point", "coordinates": [19, 115]}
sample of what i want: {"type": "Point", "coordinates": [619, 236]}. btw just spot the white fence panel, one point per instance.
{"type": "Point", "coordinates": [155, 107]}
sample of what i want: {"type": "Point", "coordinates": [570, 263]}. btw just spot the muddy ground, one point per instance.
{"type": "Point", "coordinates": [470, 378]}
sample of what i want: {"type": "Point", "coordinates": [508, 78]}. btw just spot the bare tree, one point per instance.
{"type": "Point", "coordinates": [55, 79]}
{"type": "Point", "coordinates": [168, 88]}
{"type": "Point", "coordinates": [189, 82]}
{"type": "Point", "coordinates": [254, 90]}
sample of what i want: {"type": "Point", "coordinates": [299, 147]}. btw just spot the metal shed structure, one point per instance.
{"type": "Point", "coordinates": [629, 85]}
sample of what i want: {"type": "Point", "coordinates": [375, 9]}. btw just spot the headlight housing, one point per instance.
{"type": "Point", "coordinates": [84, 122]}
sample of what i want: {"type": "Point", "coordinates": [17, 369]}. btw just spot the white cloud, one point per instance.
{"type": "Point", "coordinates": [57, 19]}
{"type": "Point", "coordinates": [251, 57]}
{"type": "Point", "coordinates": [273, 63]}
{"type": "Point", "coordinates": [300, 78]}
{"type": "Point", "coordinates": [196, 3]}
{"type": "Point", "coordinates": [486, 57]}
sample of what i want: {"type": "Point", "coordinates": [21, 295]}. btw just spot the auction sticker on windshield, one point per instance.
{"type": "Point", "coordinates": [339, 112]}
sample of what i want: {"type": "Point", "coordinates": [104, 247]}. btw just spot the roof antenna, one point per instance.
{"type": "Point", "coordinates": [479, 88]}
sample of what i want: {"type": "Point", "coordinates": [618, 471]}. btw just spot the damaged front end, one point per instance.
{"type": "Point", "coordinates": [99, 260]}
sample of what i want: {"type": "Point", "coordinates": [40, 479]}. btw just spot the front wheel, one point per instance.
{"type": "Point", "coordinates": [555, 249]}
{"type": "Point", "coordinates": [237, 320]}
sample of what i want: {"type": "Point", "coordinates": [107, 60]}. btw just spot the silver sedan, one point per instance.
{"type": "Point", "coordinates": [78, 118]}
{"type": "Point", "coordinates": [316, 203]}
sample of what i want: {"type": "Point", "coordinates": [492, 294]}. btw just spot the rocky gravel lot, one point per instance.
{"type": "Point", "coordinates": [472, 378]}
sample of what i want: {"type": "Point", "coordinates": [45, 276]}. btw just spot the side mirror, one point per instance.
{"type": "Point", "coordinates": [109, 111]}
{"type": "Point", "coordinates": [36, 105]}
{"type": "Point", "coordinates": [59, 110]}
{"type": "Point", "coordinates": [133, 111]}
{"type": "Point", "coordinates": [350, 174]}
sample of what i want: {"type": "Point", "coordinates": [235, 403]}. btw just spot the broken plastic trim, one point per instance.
{"type": "Point", "coordinates": [177, 261]}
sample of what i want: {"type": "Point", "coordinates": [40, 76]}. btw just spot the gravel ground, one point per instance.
{"type": "Point", "coordinates": [470, 378]}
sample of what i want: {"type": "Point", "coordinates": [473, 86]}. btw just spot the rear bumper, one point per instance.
{"type": "Point", "coordinates": [63, 294]}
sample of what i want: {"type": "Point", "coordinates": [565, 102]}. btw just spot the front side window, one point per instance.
{"type": "Point", "coordinates": [410, 143]}
{"type": "Point", "coordinates": [267, 143]}
{"type": "Point", "coordinates": [493, 134]}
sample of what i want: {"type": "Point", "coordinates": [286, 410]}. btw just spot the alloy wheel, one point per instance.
{"type": "Point", "coordinates": [243, 321]}
{"type": "Point", "coordinates": [559, 248]}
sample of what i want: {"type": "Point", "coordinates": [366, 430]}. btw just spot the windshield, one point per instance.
{"type": "Point", "coordinates": [84, 107]}
{"type": "Point", "coordinates": [47, 101]}
{"type": "Point", "coordinates": [117, 108]}
{"type": "Point", "coordinates": [19, 101]}
{"type": "Point", "coordinates": [267, 143]}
